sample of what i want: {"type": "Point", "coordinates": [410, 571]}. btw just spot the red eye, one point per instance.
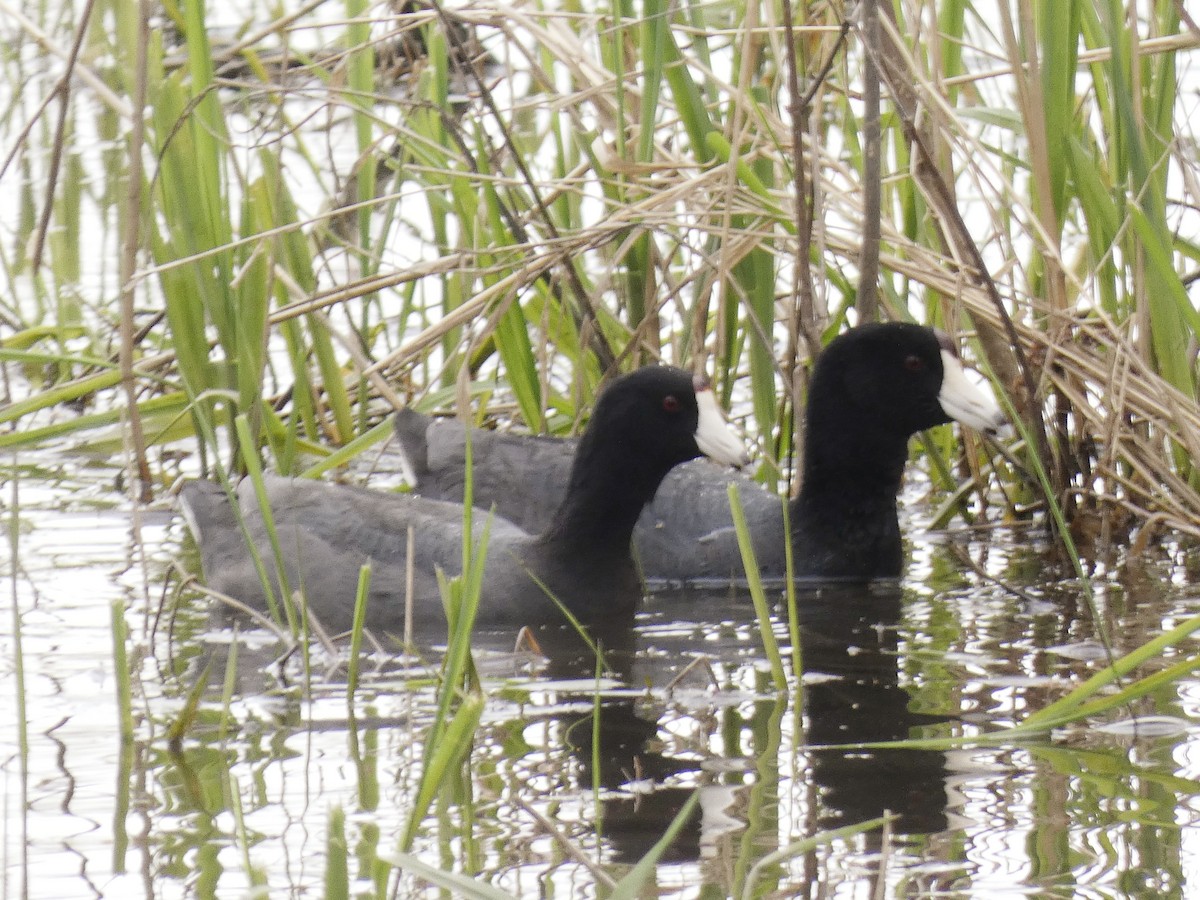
{"type": "Point", "coordinates": [914, 363]}
{"type": "Point", "coordinates": [671, 403]}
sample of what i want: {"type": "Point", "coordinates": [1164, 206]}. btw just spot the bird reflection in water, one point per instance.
{"type": "Point", "coordinates": [648, 769]}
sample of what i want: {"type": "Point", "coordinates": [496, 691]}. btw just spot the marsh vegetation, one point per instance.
{"type": "Point", "coordinates": [237, 237]}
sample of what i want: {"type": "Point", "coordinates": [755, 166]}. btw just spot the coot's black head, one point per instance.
{"type": "Point", "coordinates": [657, 417]}
{"type": "Point", "coordinates": [895, 378]}
{"type": "Point", "coordinates": [644, 424]}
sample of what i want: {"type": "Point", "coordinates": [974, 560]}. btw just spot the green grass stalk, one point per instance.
{"type": "Point", "coordinates": [455, 884]}
{"type": "Point", "coordinates": [228, 689]}
{"type": "Point", "coordinates": [360, 69]}
{"type": "Point", "coordinates": [343, 455]}
{"type": "Point", "coordinates": [255, 876]}
{"type": "Point", "coordinates": [446, 749]}
{"type": "Point", "coordinates": [758, 595]}
{"type": "Point", "coordinates": [356, 634]}
{"type": "Point", "coordinates": [1061, 528]}
{"type": "Point", "coordinates": [121, 674]}
{"type": "Point", "coordinates": [280, 607]}
{"type": "Point", "coordinates": [807, 845]}
{"type": "Point", "coordinates": [793, 610]}
{"type": "Point", "coordinates": [597, 732]}
{"type": "Point", "coordinates": [337, 869]}
{"type": "Point", "coordinates": [762, 806]}
{"type": "Point", "coordinates": [1074, 703]}
{"type": "Point", "coordinates": [186, 717]}
{"type": "Point", "coordinates": [638, 879]}
{"type": "Point", "coordinates": [450, 737]}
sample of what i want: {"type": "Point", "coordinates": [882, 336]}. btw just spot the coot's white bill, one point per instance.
{"type": "Point", "coordinates": [965, 402]}
{"type": "Point", "coordinates": [714, 437]}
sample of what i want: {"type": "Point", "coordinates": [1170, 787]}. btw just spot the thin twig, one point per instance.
{"type": "Point", "coordinates": [867, 302]}
{"type": "Point", "coordinates": [63, 89]}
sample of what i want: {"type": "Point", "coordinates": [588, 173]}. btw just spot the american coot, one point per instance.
{"type": "Point", "coordinates": [643, 424]}
{"type": "Point", "coordinates": [872, 388]}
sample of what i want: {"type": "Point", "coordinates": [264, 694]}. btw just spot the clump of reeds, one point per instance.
{"type": "Point", "coordinates": [539, 198]}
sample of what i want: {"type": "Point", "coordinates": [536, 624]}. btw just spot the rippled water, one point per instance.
{"type": "Point", "coordinates": [247, 796]}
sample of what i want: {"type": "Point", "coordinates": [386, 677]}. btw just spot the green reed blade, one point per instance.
{"type": "Point", "coordinates": [758, 595]}
{"type": "Point", "coordinates": [458, 885]}
{"type": "Point", "coordinates": [641, 876]}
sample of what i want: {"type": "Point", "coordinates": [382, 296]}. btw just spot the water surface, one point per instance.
{"type": "Point", "coordinates": [247, 796]}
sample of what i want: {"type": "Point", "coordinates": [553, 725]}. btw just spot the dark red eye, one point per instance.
{"type": "Point", "coordinates": [914, 363]}
{"type": "Point", "coordinates": [671, 403]}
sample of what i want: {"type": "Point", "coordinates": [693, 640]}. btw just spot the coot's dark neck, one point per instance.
{"type": "Point", "coordinates": [844, 522]}
{"type": "Point", "coordinates": [605, 495]}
